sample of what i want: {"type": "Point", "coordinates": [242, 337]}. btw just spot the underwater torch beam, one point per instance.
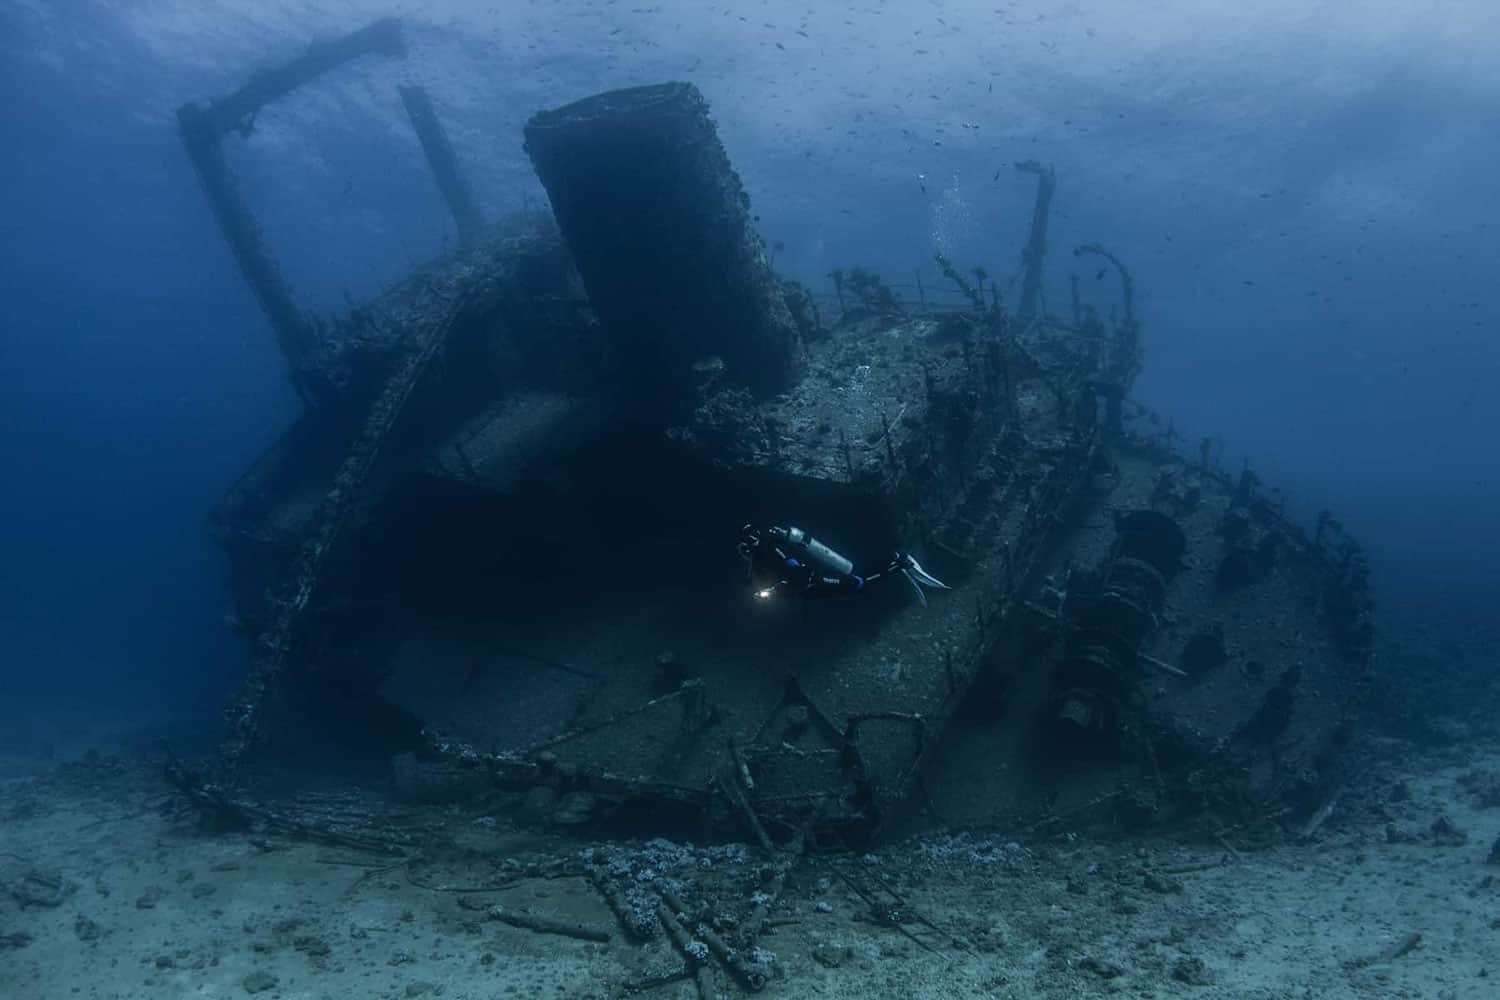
{"type": "Point", "coordinates": [443, 163]}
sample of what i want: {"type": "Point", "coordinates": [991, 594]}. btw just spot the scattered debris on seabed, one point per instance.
{"type": "Point", "coordinates": [111, 887]}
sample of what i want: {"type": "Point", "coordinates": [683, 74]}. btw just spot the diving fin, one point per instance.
{"type": "Point", "coordinates": [920, 578]}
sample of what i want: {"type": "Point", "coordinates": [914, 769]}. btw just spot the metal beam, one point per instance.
{"type": "Point", "coordinates": [443, 163]}
{"type": "Point", "coordinates": [203, 129]}
{"type": "Point", "coordinates": [1036, 246]}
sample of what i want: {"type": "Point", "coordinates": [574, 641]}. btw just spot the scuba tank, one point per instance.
{"type": "Point", "coordinates": [819, 553]}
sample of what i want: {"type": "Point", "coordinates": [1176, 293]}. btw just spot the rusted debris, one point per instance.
{"type": "Point", "coordinates": [693, 952]}
{"type": "Point", "coordinates": [218, 810]}
{"type": "Point", "coordinates": [747, 972]}
{"type": "Point", "coordinates": [688, 691]}
{"type": "Point", "coordinates": [1404, 945]}
{"type": "Point", "coordinates": [631, 920]}
{"type": "Point", "coordinates": [1318, 818]}
{"type": "Point", "coordinates": [1193, 867]}
{"type": "Point", "coordinates": [888, 908]}
{"type": "Point", "coordinates": [1161, 665]}
{"type": "Point", "coordinates": [543, 924]}
{"type": "Point", "coordinates": [736, 783]}
{"type": "Point", "coordinates": [786, 861]}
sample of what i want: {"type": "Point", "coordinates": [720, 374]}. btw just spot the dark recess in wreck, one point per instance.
{"type": "Point", "coordinates": [502, 533]}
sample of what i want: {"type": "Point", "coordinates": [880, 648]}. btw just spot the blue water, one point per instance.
{"type": "Point", "coordinates": [1304, 191]}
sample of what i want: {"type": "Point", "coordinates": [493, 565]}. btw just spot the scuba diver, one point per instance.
{"type": "Point", "coordinates": [790, 559]}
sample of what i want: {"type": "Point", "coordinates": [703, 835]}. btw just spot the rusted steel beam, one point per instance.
{"type": "Point", "coordinates": [273, 647]}
{"type": "Point", "coordinates": [293, 331]}
{"type": "Point", "coordinates": [444, 164]}
{"type": "Point", "coordinates": [203, 129]}
{"type": "Point", "coordinates": [1036, 245]}
{"type": "Point", "coordinates": [236, 113]}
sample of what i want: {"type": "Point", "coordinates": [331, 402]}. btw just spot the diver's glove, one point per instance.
{"type": "Point", "coordinates": [917, 576]}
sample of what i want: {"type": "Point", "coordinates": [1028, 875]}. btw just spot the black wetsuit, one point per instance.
{"type": "Point", "coordinates": [778, 563]}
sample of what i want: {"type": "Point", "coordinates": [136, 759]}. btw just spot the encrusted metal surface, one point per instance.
{"type": "Point", "coordinates": [505, 533]}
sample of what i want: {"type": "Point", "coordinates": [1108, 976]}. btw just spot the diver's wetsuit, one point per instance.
{"type": "Point", "coordinates": [788, 559]}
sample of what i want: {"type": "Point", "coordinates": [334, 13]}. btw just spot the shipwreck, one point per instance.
{"type": "Point", "coordinates": [499, 543]}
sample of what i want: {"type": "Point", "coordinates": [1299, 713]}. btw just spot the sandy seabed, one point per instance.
{"type": "Point", "coordinates": [107, 892]}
